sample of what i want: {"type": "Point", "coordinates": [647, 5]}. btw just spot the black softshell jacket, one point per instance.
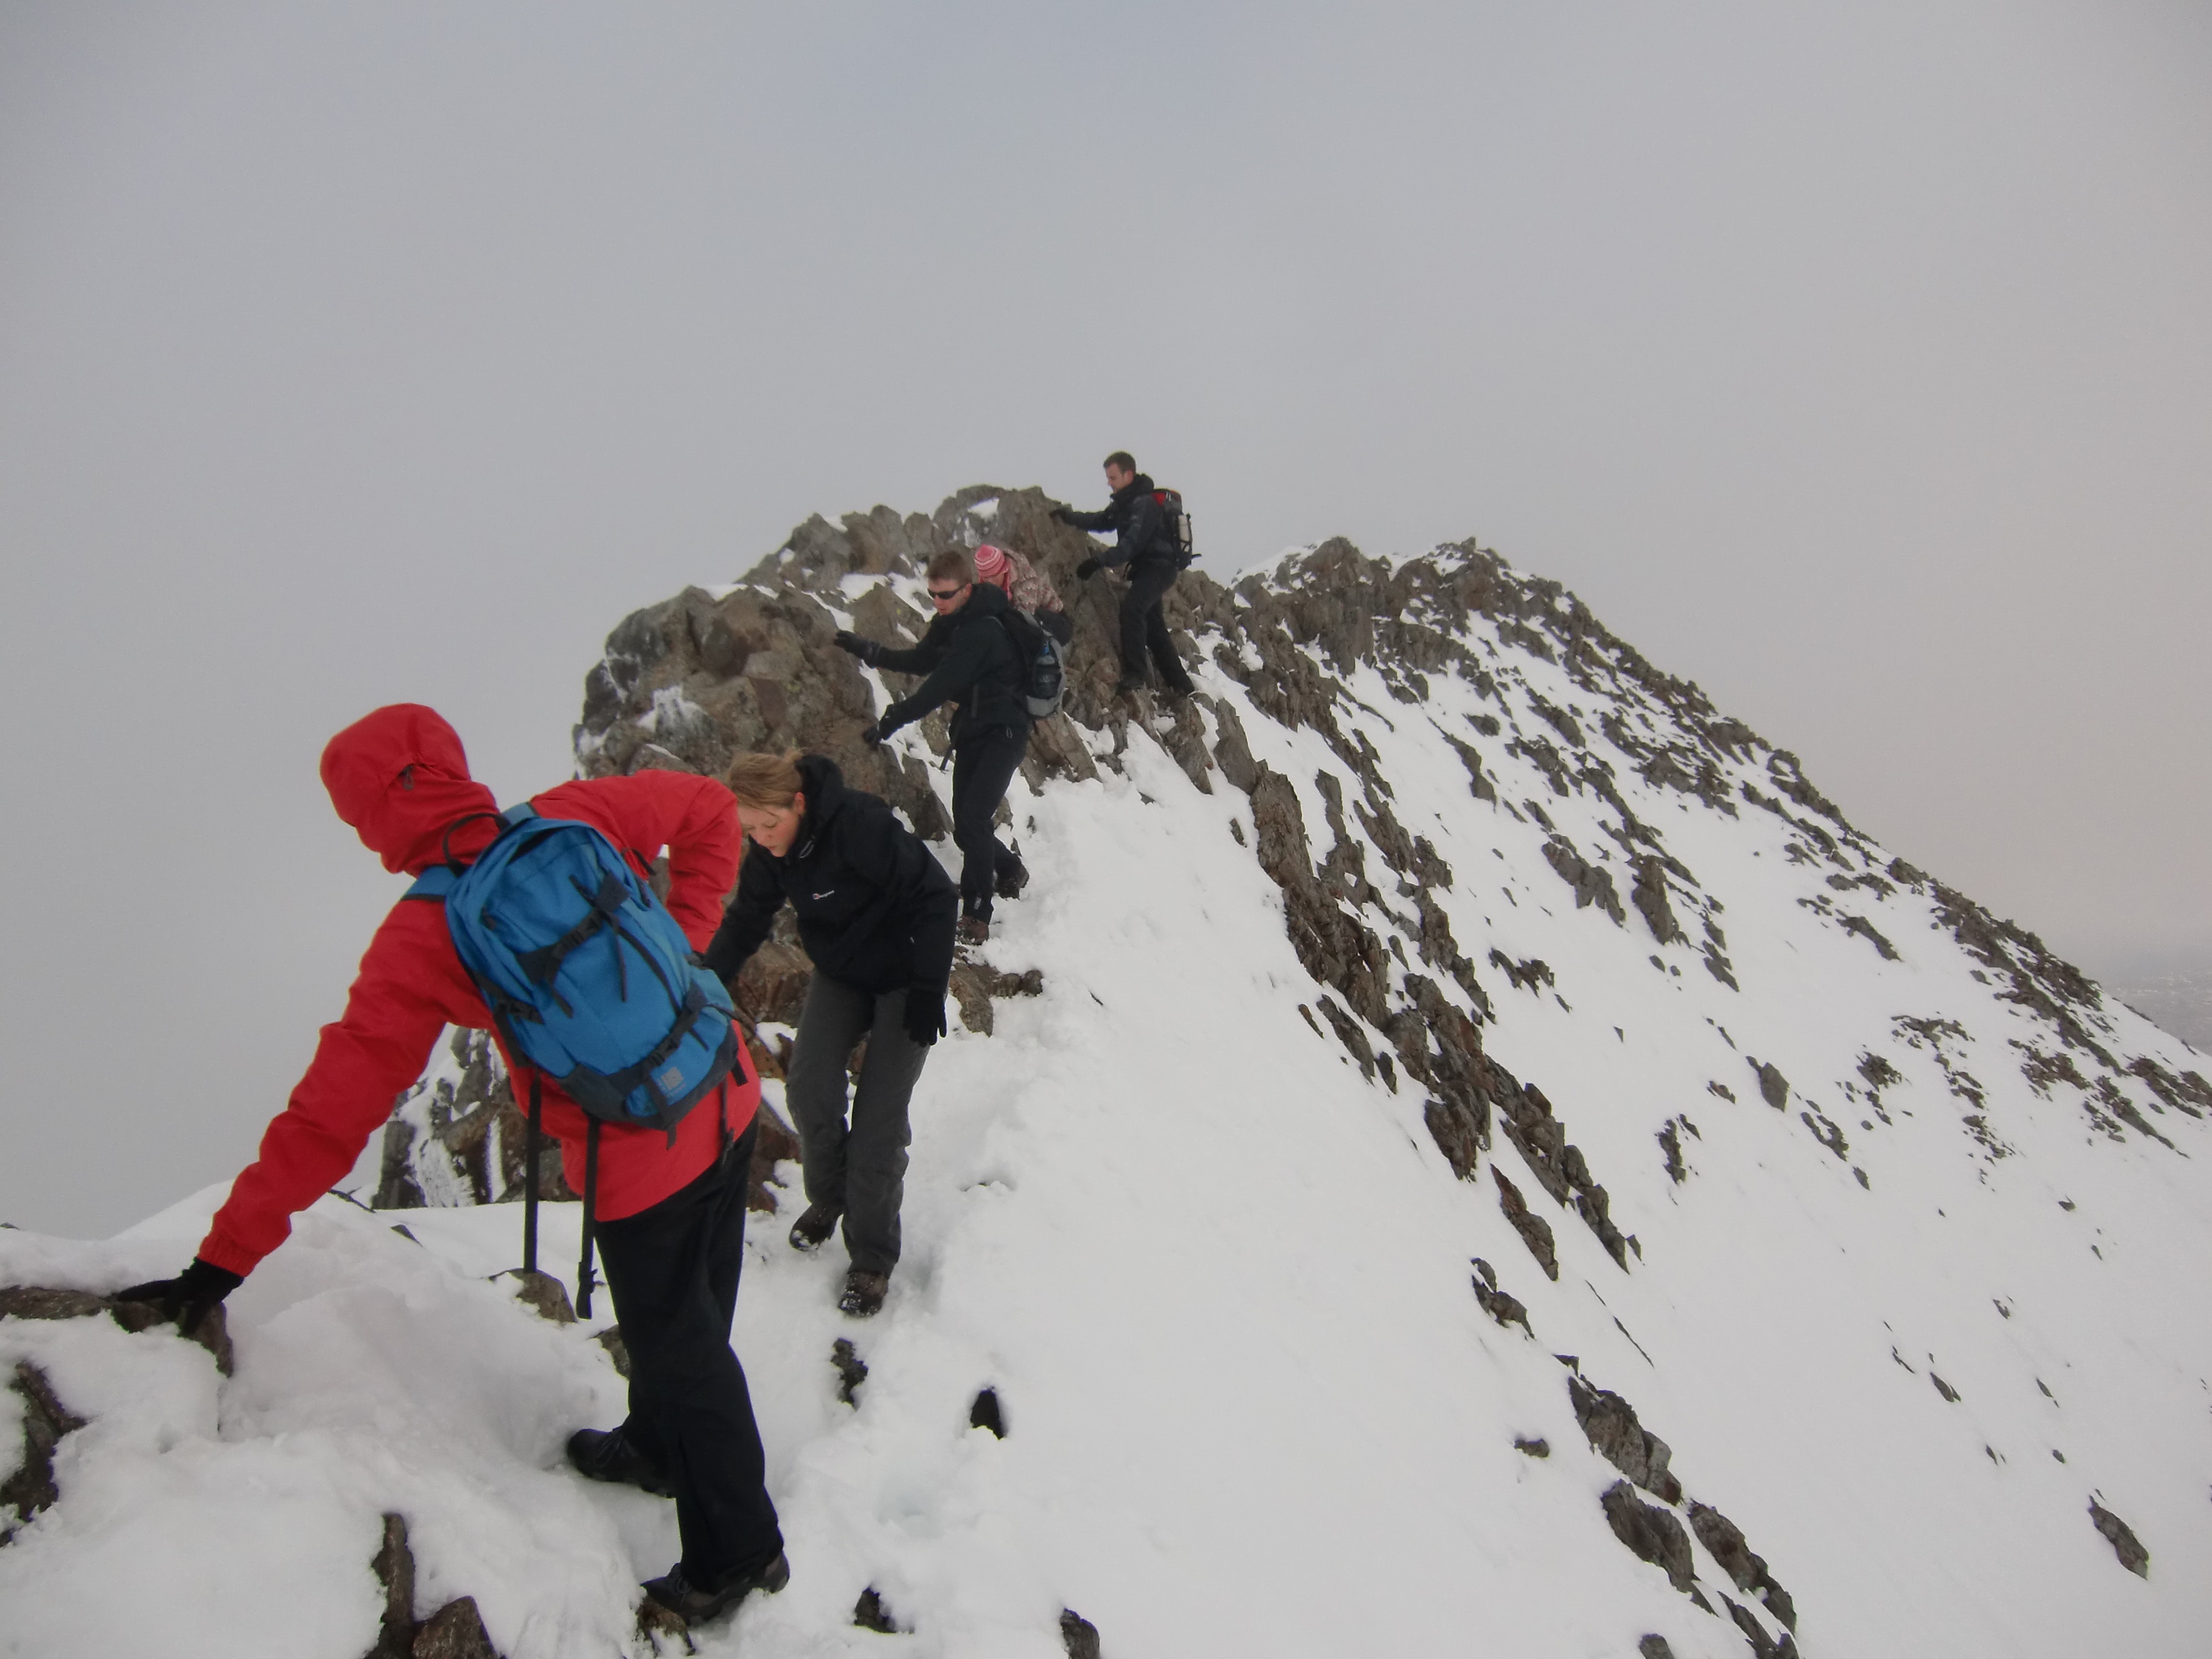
{"type": "Point", "coordinates": [968, 654]}
{"type": "Point", "coordinates": [876, 909]}
{"type": "Point", "coordinates": [1139, 525]}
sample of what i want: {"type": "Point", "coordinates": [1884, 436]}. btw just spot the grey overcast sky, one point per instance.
{"type": "Point", "coordinates": [1855, 361]}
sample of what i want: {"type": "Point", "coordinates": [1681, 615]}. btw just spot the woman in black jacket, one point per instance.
{"type": "Point", "coordinates": [876, 913]}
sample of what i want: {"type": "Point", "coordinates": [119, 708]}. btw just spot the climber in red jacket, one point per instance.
{"type": "Point", "coordinates": [669, 1212]}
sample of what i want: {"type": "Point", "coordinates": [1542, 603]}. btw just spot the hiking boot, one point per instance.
{"type": "Point", "coordinates": [1180, 693]}
{"type": "Point", "coordinates": [606, 1455]}
{"type": "Point", "coordinates": [812, 1228]}
{"type": "Point", "coordinates": [864, 1293]}
{"type": "Point", "coordinates": [1012, 880]}
{"type": "Point", "coordinates": [1128, 686]}
{"type": "Point", "coordinates": [696, 1604]}
{"type": "Point", "coordinates": [974, 930]}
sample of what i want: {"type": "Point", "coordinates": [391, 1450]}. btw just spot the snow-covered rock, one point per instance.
{"type": "Point", "coordinates": [1472, 1151]}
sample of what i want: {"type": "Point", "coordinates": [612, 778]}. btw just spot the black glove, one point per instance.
{"type": "Point", "coordinates": [874, 735]}
{"type": "Point", "coordinates": [190, 1296]}
{"type": "Point", "coordinates": [1084, 571]}
{"type": "Point", "coordinates": [1059, 514]}
{"type": "Point", "coordinates": [925, 1013]}
{"type": "Point", "coordinates": [866, 650]}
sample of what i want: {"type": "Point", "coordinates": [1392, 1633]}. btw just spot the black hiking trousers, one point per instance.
{"type": "Point", "coordinates": [1144, 626]}
{"type": "Point", "coordinates": [982, 767]}
{"type": "Point", "coordinates": [852, 1148]}
{"type": "Point", "coordinates": [673, 1271]}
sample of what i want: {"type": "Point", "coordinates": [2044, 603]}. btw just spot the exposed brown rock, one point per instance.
{"type": "Point", "coordinates": [1592, 883]}
{"type": "Point", "coordinates": [2125, 1545]}
{"type": "Point", "coordinates": [772, 985]}
{"type": "Point", "coordinates": [1535, 1232]}
{"type": "Point", "coordinates": [1762, 1645]}
{"type": "Point", "coordinates": [1505, 1309]}
{"type": "Point", "coordinates": [454, 1631]}
{"type": "Point", "coordinates": [870, 1612]}
{"type": "Point", "coordinates": [31, 1488]}
{"type": "Point", "coordinates": [1773, 1087]}
{"type": "Point", "coordinates": [477, 1137]}
{"type": "Point", "coordinates": [394, 1565]}
{"type": "Point", "coordinates": [1650, 898]}
{"type": "Point", "coordinates": [544, 1295]}
{"type": "Point", "coordinates": [975, 983]}
{"type": "Point", "coordinates": [775, 1143]}
{"type": "Point", "coordinates": [1725, 1540]}
{"type": "Point", "coordinates": [1077, 1635]}
{"type": "Point", "coordinates": [44, 1302]}
{"type": "Point", "coordinates": [1651, 1533]}
{"type": "Point", "coordinates": [984, 1414]}
{"type": "Point", "coordinates": [851, 1369]}
{"type": "Point", "coordinates": [1609, 1423]}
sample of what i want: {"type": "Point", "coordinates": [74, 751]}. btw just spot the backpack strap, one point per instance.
{"type": "Point", "coordinates": [435, 884]}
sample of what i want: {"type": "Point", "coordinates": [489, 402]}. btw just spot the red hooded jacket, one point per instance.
{"type": "Point", "coordinates": [399, 777]}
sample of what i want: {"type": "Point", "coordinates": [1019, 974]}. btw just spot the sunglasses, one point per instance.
{"type": "Point", "coordinates": [948, 592]}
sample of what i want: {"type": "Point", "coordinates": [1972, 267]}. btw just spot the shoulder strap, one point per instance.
{"type": "Point", "coordinates": [437, 881]}
{"type": "Point", "coordinates": [434, 884]}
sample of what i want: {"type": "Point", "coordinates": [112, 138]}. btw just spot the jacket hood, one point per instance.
{"type": "Point", "coordinates": [400, 777]}
{"type": "Point", "coordinates": [984, 600]}
{"type": "Point", "coordinates": [1140, 485]}
{"type": "Point", "coordinates": [823, 786]}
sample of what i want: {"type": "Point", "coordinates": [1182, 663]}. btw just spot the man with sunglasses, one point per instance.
{"type": "Point", "coordinates": [968, 659]}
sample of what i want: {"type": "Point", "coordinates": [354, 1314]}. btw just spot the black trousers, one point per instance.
{"type": "Point", "coordinates": [853, 1150]}
{"type": "Point", "coordinates": [982, 767]}
{"type": "Point", "coordinates": [1144, 627]}
{"type": "Point", "coordinates": [673, 1271]}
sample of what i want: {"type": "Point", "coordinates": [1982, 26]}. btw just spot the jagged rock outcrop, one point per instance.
{"type": "Point", "coordinates": [1610, 1423]}
{"type": "Point", "coordinates": [45, 1302]}
{"type": "Point", "coordinates": [45, 1420]}
{"type": "Point", "coordinates": [455, 1630]}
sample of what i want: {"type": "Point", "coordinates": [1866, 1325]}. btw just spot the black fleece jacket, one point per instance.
{"type": "Point", "coordinates": [1141, 527]}
{"type": "Point", "coordinates": [966, 653]}
{"type": "Point", "coordinates": [876, 909]}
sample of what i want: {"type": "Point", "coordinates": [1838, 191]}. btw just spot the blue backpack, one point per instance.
{"type": "Point", "coordinates": [590, 981]}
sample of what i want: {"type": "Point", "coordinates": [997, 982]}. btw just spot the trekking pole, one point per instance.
{"type": "Point", "coordinates": [532, 1140]}
{"type": "Point", "coordinates": [591, 1199]}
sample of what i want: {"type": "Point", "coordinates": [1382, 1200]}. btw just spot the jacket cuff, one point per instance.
{"type": "Point", "coordinates": [218, 1251]}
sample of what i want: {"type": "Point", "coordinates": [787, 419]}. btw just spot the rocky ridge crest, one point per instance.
{"type": "Point", "coordinates": [1625, 772]}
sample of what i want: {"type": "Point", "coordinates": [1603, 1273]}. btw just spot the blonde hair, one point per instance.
{"type": "Point", "coordinates": [769, 781]}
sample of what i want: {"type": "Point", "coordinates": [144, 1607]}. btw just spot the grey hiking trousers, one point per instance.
{"type": "Point", "coordinates": [860, 1169]}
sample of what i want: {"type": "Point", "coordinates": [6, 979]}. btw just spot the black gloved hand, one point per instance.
{"type": "Point", "coordinates": [866, 650]}
{"type": "Point", "coordinates": [925, 1013]}
{"type": "Point", "coordinates": [1084, 571]}
{"type": "Point", "coordinates": [1060, 514]}
{"type": "Point", "coordinates": [190, 1296]}
{"type": "Point", "coordinates": [874, 735]}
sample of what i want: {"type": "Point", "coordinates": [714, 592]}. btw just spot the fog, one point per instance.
{"type": "Point", "coordinates": [1856, 364]}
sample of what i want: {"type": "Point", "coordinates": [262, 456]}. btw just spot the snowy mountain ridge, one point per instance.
{"type": "Point", "coordinates": [1461, 1147]}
